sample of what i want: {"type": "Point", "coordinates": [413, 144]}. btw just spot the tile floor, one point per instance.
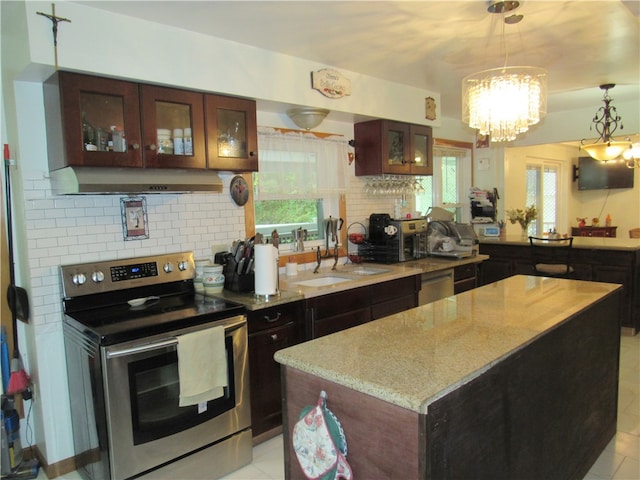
{"type": "Point", "coordinates": [619, 461]}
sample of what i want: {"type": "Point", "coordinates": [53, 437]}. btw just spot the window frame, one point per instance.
{"type": "Point", "coordinates": [439, 143]}
{"type": "Point", "coordinates": [297, 257]}
{"type": "Point", "coordinates": [540, 164]}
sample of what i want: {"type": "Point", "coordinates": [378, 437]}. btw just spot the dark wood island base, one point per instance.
{"type": "Point", "coordinates": [545, 410]}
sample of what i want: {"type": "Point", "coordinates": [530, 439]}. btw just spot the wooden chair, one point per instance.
{"type": "Point", "coordinates": [551, 257]}
{"type": "Point", "coordinates": [634, 233]}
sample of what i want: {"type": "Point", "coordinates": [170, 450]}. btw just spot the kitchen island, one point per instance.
{"type": "Point", "coordinates": [301, 312]}
{"type": "Point", "coordinates": [600, 259]}
{"type": "Point", "coordinates": [517, 379]}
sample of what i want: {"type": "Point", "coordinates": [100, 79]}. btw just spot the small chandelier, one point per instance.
{"type": "Point", "coordinates": [605, 122]}
{"type": "Point", "coordinates": [503, 102]}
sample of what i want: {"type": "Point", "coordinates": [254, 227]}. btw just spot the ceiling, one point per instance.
{"type": "Point", "coordinates": [431, 44]}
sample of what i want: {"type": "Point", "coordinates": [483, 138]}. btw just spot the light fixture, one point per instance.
{"type": "Point", "coordinates": [503, 102]}
{"type": "Point", "coordinates": [605, 122]}
{"type": "Point", "coordinates": [307, 117]}
{"type": "Point", "coordinates": [631, 155]}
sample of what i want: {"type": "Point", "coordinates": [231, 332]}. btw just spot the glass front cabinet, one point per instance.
{"type": "Point", "coordinates": [232, 133]}
{"type": "Point", "coordinates": [384, 146]}
{"type": "Point", "coordinates": [102, 122]}
{"type": "Point", "coordinates": [85, 114]}
{"type": "Point", "coordinates": [173, 123]}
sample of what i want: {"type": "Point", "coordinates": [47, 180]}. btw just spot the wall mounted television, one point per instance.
{"type": "Point", "coordinates": [595, 175]}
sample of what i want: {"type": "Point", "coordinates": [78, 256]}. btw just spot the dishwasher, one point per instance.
{"type": "Point", "coordinates": [436, 285]}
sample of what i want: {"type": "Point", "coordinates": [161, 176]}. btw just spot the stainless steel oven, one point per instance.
{"type": "Point", "coordinates": [124, 378]}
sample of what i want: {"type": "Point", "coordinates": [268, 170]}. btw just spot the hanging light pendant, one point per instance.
{"type": "Point", "coordinates": [503, 102]}
{"type": "Point", "coordinates": [605, 122]}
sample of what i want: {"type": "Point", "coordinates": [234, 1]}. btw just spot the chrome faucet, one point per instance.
{"type": "Point", "coordinates": [335, 256]}
{"type": "Point", "coordinates": [318, 260]}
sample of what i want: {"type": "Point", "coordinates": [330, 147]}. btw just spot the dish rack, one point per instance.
{"type": "Point", "coordinates": [356, 235]}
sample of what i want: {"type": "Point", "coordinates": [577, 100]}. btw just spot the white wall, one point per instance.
{"type": "Point", "coordinates": [622, 204]}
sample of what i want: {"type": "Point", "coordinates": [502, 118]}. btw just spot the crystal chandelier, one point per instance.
{"type": "Point", "coordinates": [605, 122]}
{"type": "Point", "coordinates": [503, 102]}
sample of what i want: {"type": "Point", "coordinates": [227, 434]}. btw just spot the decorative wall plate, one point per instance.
{"type": "Point", "coordinates": [331, 83]}
{"type": "Point", "coordinates": [430, 108]}
{"type": "Point", "coordinates": [239, 190]}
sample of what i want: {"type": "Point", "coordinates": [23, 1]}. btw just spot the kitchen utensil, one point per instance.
{"type": "Point", "coordinates": [17, 297]}
{"type": "Point", "coordinates": [298, 237]}
{"type": "Point", "coordinates": [333, 225]}
{"type": "Point", "coordinates": [137, 302]}
{"type": "Point", "coordinates": [275, 238]}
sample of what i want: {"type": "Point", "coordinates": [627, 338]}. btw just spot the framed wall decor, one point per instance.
{"type": "Point", "coordinates": [135, 225]}
{"type": "Point", "coordinates": [482, 141]}
{"type": "Point", "coordinates": [430, 108]}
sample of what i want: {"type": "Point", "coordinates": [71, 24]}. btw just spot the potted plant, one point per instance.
{"type": "Point", "coordinates": [523, 217]}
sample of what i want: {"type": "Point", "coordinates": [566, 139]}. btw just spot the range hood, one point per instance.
{"type": "Point", "coordinates": [100, 180]}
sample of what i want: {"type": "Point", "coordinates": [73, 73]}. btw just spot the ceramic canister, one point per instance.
{"type": "Point", "coordinates": [197, 280]}
{"type": "Point", "coordinates": [212, 279]}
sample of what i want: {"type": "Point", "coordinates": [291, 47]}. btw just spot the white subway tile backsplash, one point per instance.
{"type": "Point", "coordinates": [43, 243]}
{"type": "Point", "coordinates": [85, 228]}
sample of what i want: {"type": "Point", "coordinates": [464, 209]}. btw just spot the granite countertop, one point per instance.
{"type": "Point", "coordinates": [598, 243]}
{"type": "Point", "coordinates": [290, 291]}
{"type": "Point", "coordinates": [412, 358]}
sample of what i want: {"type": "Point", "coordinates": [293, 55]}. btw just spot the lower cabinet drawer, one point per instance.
{"type": "Point", "coordinates": [464, 285]}
{"type": "Point", "coordinates": [328, 325]}
{"type": "Point", "coordinates": [272, 317]}
{"type": "Point", "coordinates": [464, 271]}
{"type": "Point", "coordinates": [394, 306]}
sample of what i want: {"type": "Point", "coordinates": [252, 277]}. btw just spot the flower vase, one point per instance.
{"type": "Point", "coordinates": [524, 234]}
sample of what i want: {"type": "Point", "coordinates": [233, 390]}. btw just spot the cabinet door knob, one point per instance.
{"type": "Point", "coordinates": [135, 146]}
{"type": "Point", "coordinates": [252, 154]}
{"type": "Point", "coordinates": [274, 336]}
{"type": "Point", "coordinates": [152, 147]}
{"type": "Point", "coordinates": [274, 319]}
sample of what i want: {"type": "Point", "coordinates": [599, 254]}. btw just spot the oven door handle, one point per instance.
{"type": "Point", "coordinates": [232, 324]}
{"type": "Point", "coordinates": [142, 348]}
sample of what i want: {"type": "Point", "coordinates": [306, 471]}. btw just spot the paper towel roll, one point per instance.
{"type": "Point", "coordinates": [266, 269]}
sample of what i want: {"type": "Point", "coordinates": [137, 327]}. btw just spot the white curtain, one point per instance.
{"type": "Point", "coordinates": [299, 165]}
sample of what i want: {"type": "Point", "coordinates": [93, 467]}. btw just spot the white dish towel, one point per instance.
{"type": "Point", "coordinates": [202, 366]}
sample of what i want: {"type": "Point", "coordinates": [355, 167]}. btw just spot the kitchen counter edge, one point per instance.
{"type": "Point", "coordinates": [597, 243]}
{"type": "Point", "coordinates": [289, 292]}
{"type": "Point", "coordinates": [412, 358]}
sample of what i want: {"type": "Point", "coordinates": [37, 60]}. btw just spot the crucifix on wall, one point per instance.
{"type": "Point", "coordinates": [55, 20]}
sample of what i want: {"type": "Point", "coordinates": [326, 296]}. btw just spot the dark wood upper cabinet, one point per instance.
{"type": "Point", "coordinates": [167, 113]}
{"type": "Point", "coordinates": [385, 146]}
{"type": "Point", "coordinates": [81, 111]}
{"type": "Point", "coordinates": [232, 133]}
{"type": "Point", "coordinates": [103, 122]}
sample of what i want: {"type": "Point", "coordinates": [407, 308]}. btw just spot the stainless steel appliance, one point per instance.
{"type": "Point", "coordinates": [392, 241]}
{"type": "Point", "coordinates": [122, 324]}
{"type": "Point", "coordinates": [436, 285]}
{"type": "Point", "coordinates": [451, 239]}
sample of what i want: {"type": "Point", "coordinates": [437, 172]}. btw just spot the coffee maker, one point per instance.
{"type": "Point", "coordinates": [392, 241]}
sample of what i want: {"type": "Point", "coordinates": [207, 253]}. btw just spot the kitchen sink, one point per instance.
{"type": "Point", "coordinates": [323, 281]}
{"type": "Point", "coordinates": [368, 271]}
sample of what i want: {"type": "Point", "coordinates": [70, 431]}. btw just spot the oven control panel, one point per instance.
{"type": "Point", "coordinates": [121, 273]}
{"type": "Point", "coordinates": [107, 276]}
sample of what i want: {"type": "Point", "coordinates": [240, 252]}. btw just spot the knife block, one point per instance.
{"type": "Point", "coordinates": [236, 282]}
